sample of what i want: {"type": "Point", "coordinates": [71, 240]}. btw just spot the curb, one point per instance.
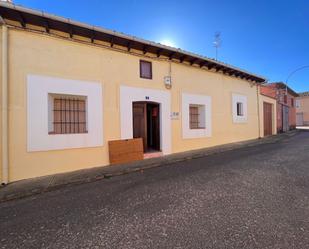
{"type": "Point", "coordinates": [35, 186]}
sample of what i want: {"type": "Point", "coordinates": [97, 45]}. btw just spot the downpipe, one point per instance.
{"type": "Point", "coordinates": [5, 156]}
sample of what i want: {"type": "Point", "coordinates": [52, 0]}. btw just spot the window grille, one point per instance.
{"type": "Point", "coordinates": [69, 116]}
{"type": "Point", "coordinates": [195, 117]}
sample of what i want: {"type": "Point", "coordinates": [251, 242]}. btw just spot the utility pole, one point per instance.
{"type": "Point", "coordinates": [217, 43]}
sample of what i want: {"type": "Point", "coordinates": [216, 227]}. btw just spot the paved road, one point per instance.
{"type": "Point", "coordinates": [257, 197]}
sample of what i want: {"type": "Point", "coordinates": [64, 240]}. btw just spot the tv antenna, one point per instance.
{"type": "Point", "coordinates": [217, 43]}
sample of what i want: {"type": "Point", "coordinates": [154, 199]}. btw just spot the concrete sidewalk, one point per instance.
{"type": "Point", "coordinates": [39, 185]}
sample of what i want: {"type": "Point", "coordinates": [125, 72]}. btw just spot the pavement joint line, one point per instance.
{"type": "Point", "coordinates": [50, 183]}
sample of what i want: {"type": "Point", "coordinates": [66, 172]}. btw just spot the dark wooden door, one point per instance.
{"type": "Point", "coordinates": [268, 119]}
{"type": "Point", "coordinates": [140, 122]}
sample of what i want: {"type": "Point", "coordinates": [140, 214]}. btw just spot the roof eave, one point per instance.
{"type": "Point", "coordinates": [167, 49]}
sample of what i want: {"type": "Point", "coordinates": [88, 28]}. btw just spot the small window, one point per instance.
{"type": "Point", "coordinates": [292, 102]}
{"type": "Point", "coordinates": [145, 69]}
{"type": "Point", "coordinates": [67, 114]}
{"type": "Point", "coordinates": [297, 103]}
{"type": "Point", "coordinates": [197, 116]}
{"type": "Point", "coordinates": [240, 109]}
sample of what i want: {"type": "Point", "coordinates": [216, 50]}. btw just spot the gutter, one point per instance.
{"type": "Point", "coordinates": [5, 154]}
{"type": "Point", "coordinates": [258, 109]}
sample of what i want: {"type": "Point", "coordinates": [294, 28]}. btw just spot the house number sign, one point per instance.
{"type": "Point", "coordinates": [175, 115]}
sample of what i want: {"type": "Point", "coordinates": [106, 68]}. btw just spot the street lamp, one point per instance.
{"type": "Point", "coordinates": [291, 74]}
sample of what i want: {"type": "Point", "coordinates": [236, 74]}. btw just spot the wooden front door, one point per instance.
{"type": "Point", "coordinates": [146, 124]}
{"type": "Point", "coordinates": [268, 119]}
{"type": "Point", "coordinates": [140, 122]}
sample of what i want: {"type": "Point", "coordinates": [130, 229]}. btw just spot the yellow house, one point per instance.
{"type": "Point", "coordinates": [68, 88]}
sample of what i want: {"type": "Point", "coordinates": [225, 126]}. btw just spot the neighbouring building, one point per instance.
{"type": "Point", "coordinates": [302, 109]}
{"type": "Point", "coordinates": [286, 111]}
{"type": "Point", "coordinates": [69, 88]}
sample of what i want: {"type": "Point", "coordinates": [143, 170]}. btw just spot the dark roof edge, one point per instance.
{"type": "Point", "coordinates": [303, 94]}
{"type": "Point", "coordinates": [42, 14]}
{"type": "Point", "coordinates": [282, 85]}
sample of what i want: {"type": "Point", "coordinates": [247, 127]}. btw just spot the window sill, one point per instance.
{"type": "Point", "coordinates": [53, 133]}
{"type": "Point", "coordinates": [200, 128]}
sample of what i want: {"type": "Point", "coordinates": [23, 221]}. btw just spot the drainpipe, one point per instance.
{"type": "Point", "coordinates": [5, 157]}
{"type": "Point", "coordinates": [258, 108]}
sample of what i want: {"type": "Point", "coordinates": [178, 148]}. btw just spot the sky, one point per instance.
{"type": "Point", "coordinates": [266, 37]}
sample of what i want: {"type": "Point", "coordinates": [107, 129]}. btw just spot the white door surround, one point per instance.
{"type": "Point", "coordinates": [128, 95]}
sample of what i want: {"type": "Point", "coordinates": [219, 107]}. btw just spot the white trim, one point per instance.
{"type": "Point", "coordinates": [195, 99]}
{"type": "Point", "coordinates": [128, 95]}
{"type": "Point", "coordinates": [237, 98]}
{"type": "Point", "coordinates": [39, 88]}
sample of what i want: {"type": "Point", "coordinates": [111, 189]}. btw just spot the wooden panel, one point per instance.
{"type": "Point", "coordinates": [268, 124]}
{"type": "Point", "coordinates": [128, 150]}
{"type": "Point", "coordinates": [140, 122]}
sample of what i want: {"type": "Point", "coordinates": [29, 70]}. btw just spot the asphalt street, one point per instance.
{"type": "Point", "coordinates": [255, 197]}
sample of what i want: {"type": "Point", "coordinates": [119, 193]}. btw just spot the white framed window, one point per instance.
{"type": "Point", "coordinates": [239, 108]}
{"type": "Point", "coordinates": [297, 103]}
{"type": "Point", "coordinates": [47, 132]}
{"type": "Point", "coordinates": [196, 116]}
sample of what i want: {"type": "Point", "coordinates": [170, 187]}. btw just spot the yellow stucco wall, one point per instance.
{"type": "Point", "coordinates": [32, 53]}
{"type": "Point", "coordinates": [262, 99]}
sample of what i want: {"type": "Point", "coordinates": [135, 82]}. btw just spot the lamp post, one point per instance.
{"type": "Point", "coordinates": [291, 74]}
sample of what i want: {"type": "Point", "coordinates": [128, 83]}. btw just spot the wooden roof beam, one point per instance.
{"type": "Point", "coordinates": [193, 61]}
{"type": "Point", "coordinates": [203, 64]}
{"type": "Point", "coordinates": [218, 68]}
{"type": "Point", "coordinates": [22, 20]}
{"type": "Point", "coordinates": [171, 55]}
{"type": "Point", "coordinates": [129, 46]}
{"type": "Point", "coordinates": [112, 41]}
{"type": "Point", "coordinates": [159, 52]}
{"type": "Point", "coordinates": [71, 31]}
{"type": "Point", "coordinates": [182, 58]}
{"type": "Point", "coordinates": [46, 24]}
{"type": "Point", "coordinates": [210, 66]}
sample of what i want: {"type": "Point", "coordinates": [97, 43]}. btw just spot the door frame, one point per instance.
{"type": "Point", "coordinates": [145, 105]}
{"type": "Point", "coordinates": [128, 95]}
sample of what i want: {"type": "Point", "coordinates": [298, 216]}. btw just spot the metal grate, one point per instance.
{"type": "Point", "coordinates": [194, 117]}
{"type": "Point", "coordinates": [69, 116]}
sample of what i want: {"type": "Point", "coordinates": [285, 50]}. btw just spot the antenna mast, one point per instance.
{"type": "Point", "coordinates": [217, 43]}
